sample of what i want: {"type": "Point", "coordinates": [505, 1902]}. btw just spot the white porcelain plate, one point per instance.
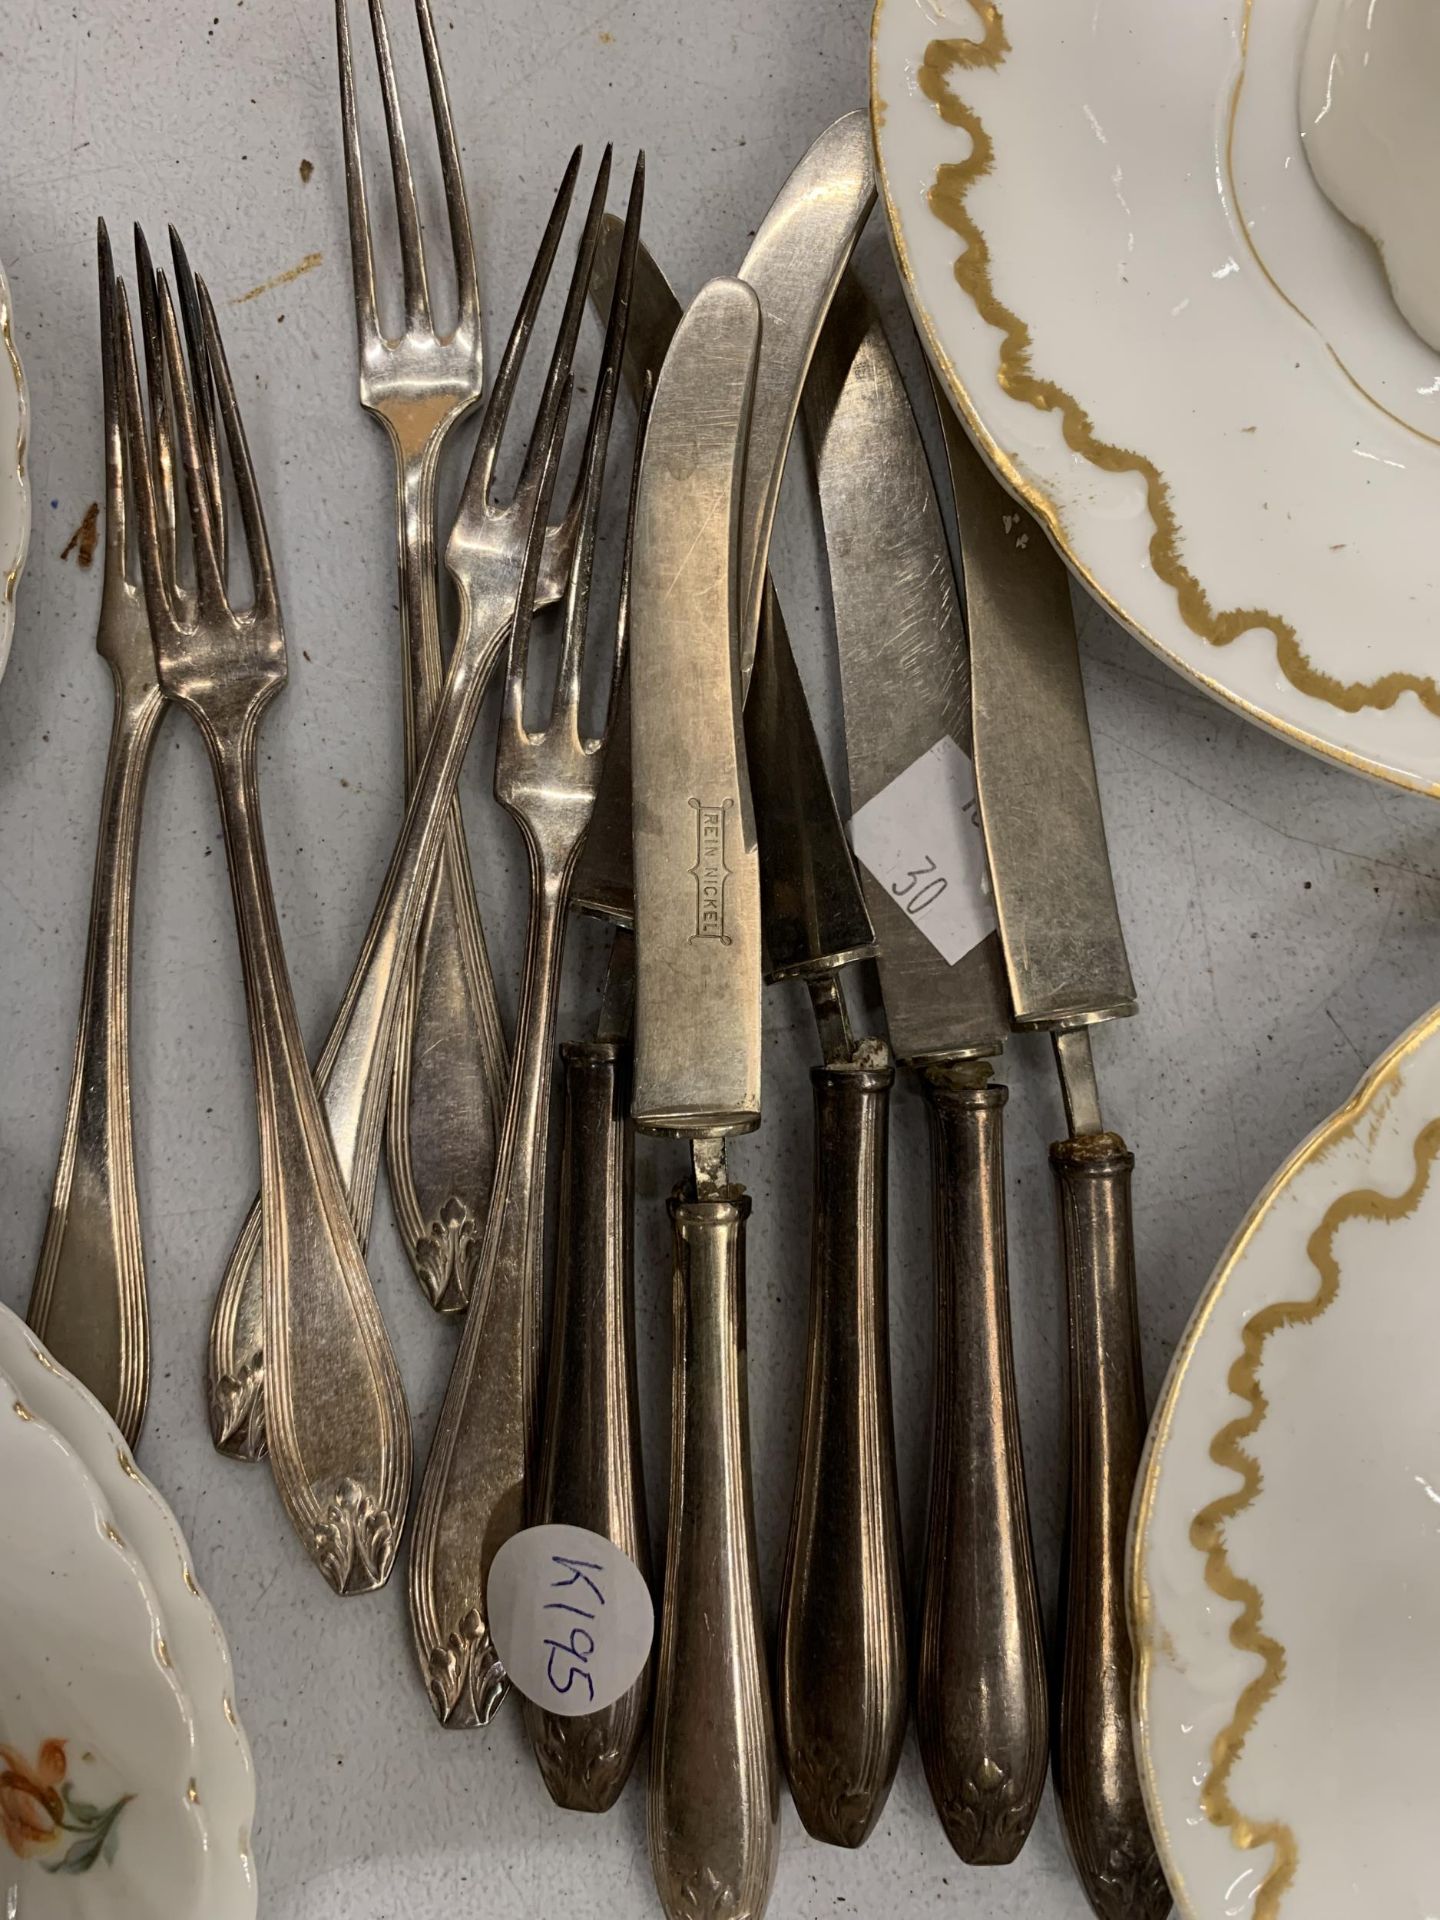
{"type": "Point", "coordinates": [126, 1788]}
{"type": "Point", "coordinates": [1285, 1575]}
{"type": "Point", "coordinates": [14, 493]}
{"type": "Point", "coordinates": [1175, 349]}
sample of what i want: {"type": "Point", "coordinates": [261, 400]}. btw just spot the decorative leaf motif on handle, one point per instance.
{"type": "Point", "coordinates": [986, 1811]}
{"type": "Point", "coordinates": [445, 1257]}
{"type": "Point", "coordinates": [580, 1746]}
{"type": "Point", "coordinates": [706, 1897]}
{"type": "Point", "coordinates": [238, 1400]}
{"type": "Point", "coordinates": [1132, 1874]}
{"type": "Point", "coordinates": [825, 1782]}
{"type": "Point", "coordinates": [356, 1538]}
{"type": "Point", "coordinates": [467, 1677]}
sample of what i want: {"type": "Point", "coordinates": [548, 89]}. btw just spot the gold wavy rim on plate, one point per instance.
{"type": "Point", "coordinates": [1247, 1632]}
{"type": "Point", "coordinates": [1016, 377]}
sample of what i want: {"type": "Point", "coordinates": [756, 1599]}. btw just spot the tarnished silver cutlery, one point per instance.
{"type": "Point", "coordinates": [478, 1483]}
{"type": "Point", "coordinates": [339, 1426]}
{"type": "Point", "coordinates": [451, 1059]}
{"type": "Point", "coordinates": [345, 1073]}
{"type": "Point", "coordinates": [842, 1692]}
{"type": "Point", "coordinates": [486, 555]}
{"type": "Point", "coordinates": [591, 1472]}
{"type": "Point", "coordinates": [714, 1806]}
{"type": "Point", "coordinates": [980, 1675]}
{"type": "Point", "coordinates": [1065, 959]}
{"type": "Point", "coordinates": [88, 1303]}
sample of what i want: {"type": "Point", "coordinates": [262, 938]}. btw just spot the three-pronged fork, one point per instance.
{"type": "Point", "coordinates": [88, 1302]}
{"type": "Point", "coordinates": [474, 1493]}
{"type": "Point", "coordinates": [484, 555]}
{"type": "Point", "coordinates": [338, 1424]}
{"type": "Point", "coordinates": [451, 1059]}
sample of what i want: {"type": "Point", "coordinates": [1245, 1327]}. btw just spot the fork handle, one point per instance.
{"type": "Point", "coordinates": [474, 1492]}
{"type": "Point", "coordinates": [1097, 1779]}
{"type": "Point", "coordinates": [591, 1473]}
{"type": "Point", "coordinates": [714, 1811]}
{"type": "Point", "coordinates": [980, 1705]}
{"type": "Point", "coordinates": [451, 1060]}
{"type": "Point", "coordinates": [88, 1302]}
{"type": "Point", "coordinates": [843, 1683]}
{"type": "Point", "coordinates": [338, 1426]}
{"type": "Point", "coordinates": [351, 1075]}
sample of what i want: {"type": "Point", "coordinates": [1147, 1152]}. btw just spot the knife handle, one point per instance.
{"type": "Point", "coordinates": [714, 1811]}
{"type": "Point", "coordinates": [1097, 1781]}
{"type": "Point", "coordinates": [980, 1704]}
{"type": "Point", "coordinates": [591, 1473]}
{"type": "Point", "coordinates": [842, 1697]}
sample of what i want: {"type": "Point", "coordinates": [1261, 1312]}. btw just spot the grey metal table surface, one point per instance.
{"type": "Point", "coordinates": [1281, 913]}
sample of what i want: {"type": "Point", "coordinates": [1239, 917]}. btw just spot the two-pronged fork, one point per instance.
{"type": "Point", "coordinates": [339, 1427]}
{"type": "Point", "coordinates": [484, 556]}
{"type": "Point", "coordinates": [451, 1060]}
{"type": "Point", "coordinates": [88, 1303]}
{"type": "Point", "coordinates": [476, 1484]}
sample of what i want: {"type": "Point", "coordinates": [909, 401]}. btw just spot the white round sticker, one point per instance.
{"type": "Point", "coordinates": [571, 1616]}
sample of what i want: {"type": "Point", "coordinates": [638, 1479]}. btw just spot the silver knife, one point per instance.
{"type": "Point", "coordinates": [980, 1684]}
{"type": "Point", "coordinates": [714, 1806]}
{"type": "Point", "coordinates": [842, 1681]}
{"type": "Point", "coordinates": [1067, 968]}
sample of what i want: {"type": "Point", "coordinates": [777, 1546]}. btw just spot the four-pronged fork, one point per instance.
{"type": "Point", "coordinates": [338, 1424]}
{"type": "Point", "coordinates": [88, 1303]}
{"type": "Point", "coordinates": [486, 562]}
{"type": "Point", "coordinates": [477, 1479]}
{"type": "Point", "coordinates": [450, 1060]}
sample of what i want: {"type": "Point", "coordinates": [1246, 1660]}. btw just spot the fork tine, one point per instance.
{"type": "Point", "coordinates": [497, 412]}
{"type": "Point", "coordinates": [592, 466]}
{"type": "Point", "coordinates": [209, 579]}
{"type": "Point", "coordinates": [563, 355]}
{"type": "Point", "coordinates": [532, 502]}
{"type": "Point", "coordinates": [252, 513]}
{"type": "Point", "coordinates": [622, 619]}
{"type": "Point", "coordinates": [158, 394]}
{"type": "Point", "coordinates": [462, 239]}
{"type": "Point", "coordinates": [565, 705]}
{"type": "Point", "coordinates": [158, 586]}
{"type": "Point", "coordinates": [362, 260]}
{"type": "Point", "coordinates": [202, 382]}
{"type": "Point", "coordinates": [115, 522]}
{"type": "Point", "coordinates": [412, 250]}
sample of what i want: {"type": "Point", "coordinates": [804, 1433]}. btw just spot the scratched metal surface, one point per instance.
{"type": "Point", "coordinates": [1280, 913]}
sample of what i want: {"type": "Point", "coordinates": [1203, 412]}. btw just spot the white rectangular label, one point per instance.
{"type": "Point", "coordinates": [921, 839]}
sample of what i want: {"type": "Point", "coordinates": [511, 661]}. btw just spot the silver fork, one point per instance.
{"type": "Point", "coordinates": [451, 1058]}
{"type": "Point", "coordinates": [476, 1483]}
{"type": "Point", "coordinates": [484, 555]}
{"type": "Point", "coordinates": [339, 1427]}
{"type": "Point", "coordinates": [88, 1302]}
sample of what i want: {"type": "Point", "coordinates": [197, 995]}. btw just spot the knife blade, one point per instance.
{"type": "Point", "coordinates": [980, 1692]}
{"type": "Point", "coordinates": [794, 264]}
{"type": "Point", "coordinates": [1067, 967]}
{"type": "Point", "coordinates": [843, 1681]}
{"type": "Point", "coordinates": [697, 874]}
{"type": "Point", "coordinates": [714, 1804]}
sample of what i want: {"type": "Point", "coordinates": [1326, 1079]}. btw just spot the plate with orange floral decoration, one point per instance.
{"type": "Point", "coordinates": [126, 1789]}
{"type": "Point", "coordinates": [1174, 349]}
{"type": "Point", "coordinates": [1285, 1564]}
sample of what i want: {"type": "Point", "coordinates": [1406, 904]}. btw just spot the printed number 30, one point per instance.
{"type": "Point", "coordinates": [920, 890]}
